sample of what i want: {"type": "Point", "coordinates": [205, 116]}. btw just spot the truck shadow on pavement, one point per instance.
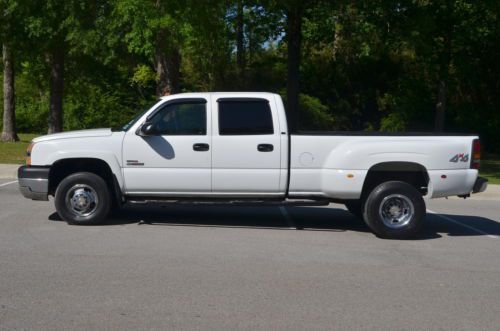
{"type": "Point", "coordinates": [291, 218]}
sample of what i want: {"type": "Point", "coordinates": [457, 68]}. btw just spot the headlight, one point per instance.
{"type": "Point", "coordinates": [28, 153]}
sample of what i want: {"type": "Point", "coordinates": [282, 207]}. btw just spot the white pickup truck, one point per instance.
{"type": "Point", "coordinates": [236, 148]}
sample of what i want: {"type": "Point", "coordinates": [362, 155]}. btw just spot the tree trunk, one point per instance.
{"type": "Point", "coordinates": [337, 35]}
{"type": "Point", "coordinates": [163, 85]}
{"type": "Point", "coordinates": [9, 105]}
{"type": "Point", "coordinates": [440, 107]}
{"type": "Point", "coordinates": [167, 66]}
{"type": "Point", "coordinates": [444, 70]}
{"type": "Point", "coordinates": [174, 69]}
{"type": "Point", "coordinates": [240, 47]}
{"type": "Point", "coordinates": [294, 37]}
{"type": "Point", "coordinates": [56, 59]}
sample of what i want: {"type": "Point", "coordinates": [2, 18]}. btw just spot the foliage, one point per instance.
{"type": "Point", "coordinates": [366, 65]}
{"type": "Point", "coordinates": [490, 168]}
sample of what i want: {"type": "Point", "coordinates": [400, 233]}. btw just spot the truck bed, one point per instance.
{"type": "Point", "coordinates": [381, 133]}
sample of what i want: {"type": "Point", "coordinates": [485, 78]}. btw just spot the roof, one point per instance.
{"type": "Point", "coordinates": [198, 94]}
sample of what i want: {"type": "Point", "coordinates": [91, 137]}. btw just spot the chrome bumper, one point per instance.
{"type": "Point", "coordinates": [34, 182]}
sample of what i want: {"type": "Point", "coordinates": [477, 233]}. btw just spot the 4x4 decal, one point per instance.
{"type": "Point", "coordinates": [460, 158]}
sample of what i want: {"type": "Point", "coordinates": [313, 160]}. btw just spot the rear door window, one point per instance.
{"type": "Point", "coordinates": [245, 117]}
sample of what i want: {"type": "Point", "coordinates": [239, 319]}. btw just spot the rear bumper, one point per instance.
{"type": "Point", "coordinates": [34, 182]}
{"type": "Point", "coordinates": [480, 185]}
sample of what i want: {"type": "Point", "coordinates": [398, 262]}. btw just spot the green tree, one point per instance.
{"type": "Point", "coordinates": [11, 18]}
{"type": "Point", "coordinates": [54, 26]}
{"type": "Point", "coordinates": [153, 29]}
{"type": "Point", "coordinates": [342, 65]}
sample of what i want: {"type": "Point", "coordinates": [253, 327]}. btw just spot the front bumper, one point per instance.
{"type": "Point", "coordinates": [480, 185]}
{"type": "Point", "coordinates": [34, 182]}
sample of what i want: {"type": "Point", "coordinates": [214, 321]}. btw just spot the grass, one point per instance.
{"type": "Point", "coordinates": [15, 152]}
{"type": "Point", "coordinates": [490, 168]}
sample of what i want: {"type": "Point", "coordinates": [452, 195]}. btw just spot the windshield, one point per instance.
{"type": "Point", "coordinates": [131, 123]}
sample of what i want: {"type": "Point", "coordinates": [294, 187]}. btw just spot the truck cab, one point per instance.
{"type": "Point", "coordinates": [216, 144]}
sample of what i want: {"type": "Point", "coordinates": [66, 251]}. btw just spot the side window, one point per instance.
{"type": "Point", "coordinates": [188, 118]}
{"type": "Point", "coordinates": [242, 117]}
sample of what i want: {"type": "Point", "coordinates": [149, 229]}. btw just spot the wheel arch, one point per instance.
{"type": "Point", "coordinates": [62, 168]}
{"type": "Point", "coordinates": [412, 173]}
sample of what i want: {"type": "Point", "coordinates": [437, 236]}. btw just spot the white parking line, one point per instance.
{"type": "Point", "coordinates": [462, 224]}
{"type": "Point", "coordinates": [8, 183]}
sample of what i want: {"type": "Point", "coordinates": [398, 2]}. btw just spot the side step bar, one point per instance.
{"type": "Point", "coordinates": [223, 202]}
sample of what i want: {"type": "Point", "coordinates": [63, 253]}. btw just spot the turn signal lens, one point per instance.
{"type": "Point", "coordinates": [476, 154]}
{"type": "Point", "coordinates": [28, 153]}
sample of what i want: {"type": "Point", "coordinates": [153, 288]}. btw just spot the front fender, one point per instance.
{"type": "Point", "coordinates": [110, 160]}
{"type": "Point", "coordinates": [107, 149]}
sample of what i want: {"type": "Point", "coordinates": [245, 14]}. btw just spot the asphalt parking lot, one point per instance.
{"type": "Point", "coordinates": [246, 268]}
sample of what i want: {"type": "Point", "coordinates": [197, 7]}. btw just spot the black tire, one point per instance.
{"type": "Point", "coordinates": [394, 210]}
{"type": "Point", "coordinates": [355, 207]}
{"type": "Point", "coordinates": [90, 193]}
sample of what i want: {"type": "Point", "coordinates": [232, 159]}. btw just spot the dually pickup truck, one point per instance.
{"type": "Point", "coordinates": [236, 148]}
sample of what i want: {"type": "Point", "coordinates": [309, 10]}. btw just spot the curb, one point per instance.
{"type": "Point", "coordinates": [9, 170]}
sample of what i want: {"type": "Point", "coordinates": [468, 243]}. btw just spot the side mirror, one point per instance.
{"type": "Point", "coordinates": [147, 129]}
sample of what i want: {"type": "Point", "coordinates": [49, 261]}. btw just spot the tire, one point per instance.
{"type": "Point", "coordinates": [91, 199]}
{"type": "Point", "coordinates": [394, 210]}
{"type": "Point", "coordinates": [355, 207]}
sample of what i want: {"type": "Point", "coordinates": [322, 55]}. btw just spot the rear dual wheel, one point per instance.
{"type": "Point", "coordinates": [394, 210]}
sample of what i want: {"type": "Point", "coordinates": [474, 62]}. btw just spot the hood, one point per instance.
{"type": "Point", "coordinates": [75, 134]}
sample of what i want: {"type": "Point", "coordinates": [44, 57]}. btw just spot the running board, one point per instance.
{"type": "Point", "coordinates": [223, 202]}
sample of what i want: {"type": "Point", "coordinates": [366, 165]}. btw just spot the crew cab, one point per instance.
{"type": "Point", "coordinates": [236, 148]}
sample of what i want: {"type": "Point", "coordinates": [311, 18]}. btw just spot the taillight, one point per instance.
{"type": "Point", "coordinates": [476, 154]}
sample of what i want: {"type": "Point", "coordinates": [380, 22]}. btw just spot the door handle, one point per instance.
{"type": "Point", "coordinates": [201, 147]}
{"type": "Point", "coordinates": [265, 148]}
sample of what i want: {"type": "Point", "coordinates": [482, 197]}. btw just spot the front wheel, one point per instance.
{"type": "Point", "coordinates": [394, 210]}
{"type": "Point", "coordinates": [83, 198]}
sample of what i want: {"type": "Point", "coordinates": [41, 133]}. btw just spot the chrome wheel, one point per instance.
{"type": "Point", "coordinates": [82, 200]}
{"type": "Point", "coordinates": [396, 211]}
